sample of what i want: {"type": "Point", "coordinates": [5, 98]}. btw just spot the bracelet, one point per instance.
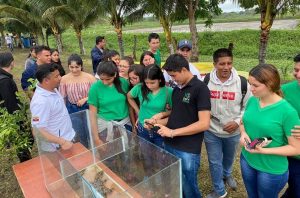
{"type": "Point", "coordinates": [171, 133]}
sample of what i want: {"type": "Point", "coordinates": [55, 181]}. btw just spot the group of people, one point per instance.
{"type": "Point", "coordinates": [174, 108]}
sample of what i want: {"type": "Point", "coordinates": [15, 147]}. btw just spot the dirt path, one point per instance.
{"type": "Point", "coordinates": [254, 25]}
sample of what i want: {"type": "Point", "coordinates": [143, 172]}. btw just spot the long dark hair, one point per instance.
{"type": "Point", "coordinates": [152, 72]}
{"type": "Point", "coordinates": [109, 68]}
{"type": "Point", "coordinates": [144, 54]}
{"type": "Point", "coordinates": [138, 70]}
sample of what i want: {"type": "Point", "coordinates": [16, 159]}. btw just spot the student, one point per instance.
{"type": "Point", "coordinates": [31, 58]}
{"type": "Point", "coordinates": [108, 103]}
{"type": "Point", "coordinates": [135, 76]}
{"type": "Point", "coordinates": [291, 92]}
{"type": "Point", "coordinates": [43, 57]}
{"type": "Point", "coordinates": [189, 118]}
{"type": "Point", "coordinates": [74, 88]}
{"type": "Point", "coordinates": [154, 44]}
{"type": "Point", "coordinates": [153, 98]}
{"type": "Point", "coordinates": [97, 53]}
{"type": "Point", "coordinates": [8, 89]}
{"type": "Point", "coordinates": [49, 113]}
{"type": "Point", "coordinates": [184, 48]}
{"type": "Point", "coordinates": [222, 138]}
{"type": "Point", "coordinates": [124, 66]}
{"type": "Point", "coordinates": [56, 59]}
{"type": "Point", "coordinates": [265, 167]}
{"type": "Point", "coordinates": [147, 58]}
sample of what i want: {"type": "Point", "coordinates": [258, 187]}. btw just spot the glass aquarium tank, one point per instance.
{"type": "Point", "coordinates": [124, 166]}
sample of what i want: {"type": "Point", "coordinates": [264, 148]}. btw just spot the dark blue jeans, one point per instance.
{"type": "Point", "coordinates": [190, 164]}
{"type": "Point", "coordinates": [79, 122]}
{"type": "Point", "coordinates": [261, 184]}
{"type": "Point", "coordinates": [151, 136]}
{"type": "Point", "coordinates": [293, 190]}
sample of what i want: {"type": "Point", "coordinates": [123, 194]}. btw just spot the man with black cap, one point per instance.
{"type": "Point", "coordinates": [184, 48]}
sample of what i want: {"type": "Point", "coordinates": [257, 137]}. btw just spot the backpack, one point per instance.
{"type": "Point", "coordinates": [243, 85]}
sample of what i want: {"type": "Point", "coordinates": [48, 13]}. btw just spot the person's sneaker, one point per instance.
{"type": "Point", "coordinates": [231, 182]}
{"type": "Point", "coordinates": [213, 194]}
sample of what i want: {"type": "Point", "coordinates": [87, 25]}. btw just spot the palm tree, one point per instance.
{"type": "Point", "coordinates": [17, 11]}
{"type": "Point", "coordinates": [193, 9]}
{"type": "Point", "coordinates": [268, 9]}
{"type": "Point", "coordinates": [164, 11]}
{"type": "Point", "coordinates": [120, 12]}
{"type": "Point", "coordinates": [79, 14]}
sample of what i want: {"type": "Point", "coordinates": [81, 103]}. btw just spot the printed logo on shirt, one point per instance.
{"type": "Point", "coordinates": [215, 94]}
{"type": "Point", "coordinates": [35, 119]}
{"type": "Point", "coordinates": [228, 95]}
{"type": "Point", "coordinates": [186, 98]}
{"type": "Point", "coordinates": [225, 95]}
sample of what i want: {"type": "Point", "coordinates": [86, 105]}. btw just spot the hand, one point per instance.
{"type": "Point", "coordinates": [243, 139]}
{"type": "Point", "coordinates": [97, 141]}
{"type": "Point", "coordinates": [66, 145]}
{"type": "Point", "coordinates": [230, 127]}
{"type": "Point", "coordinates": [258, 149]}
{"type": "Point", "coordinates": [158, 116]}
{"type": "Point", "coordinates": [149, 123]}
{"type": "Point", "coordinates": [164, 131]}
{"type": "Point", "coordinates": [296, 132]}
{"type": "Point", "coordinates": [134, 130]}
{"type": "Point", "coordinates": [81, 102]}
{"type": "Point", "coordinates": [152, 61]}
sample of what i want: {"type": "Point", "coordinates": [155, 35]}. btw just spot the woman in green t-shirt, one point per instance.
{"type": "Point", "coordinates": [264, 166]}
{"type": "Point", "coordinates": [154, 97]}
{"type": "Point", "coordinates": [107, 102]}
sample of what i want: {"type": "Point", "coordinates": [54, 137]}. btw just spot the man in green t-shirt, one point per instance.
{"type": "Point", "coordinates": [291, 93]}
{"type": "Point", "coordinates": [154, 44]}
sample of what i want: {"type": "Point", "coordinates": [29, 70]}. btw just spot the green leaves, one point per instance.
{"type": "Point", "coordinates": [15, 129]}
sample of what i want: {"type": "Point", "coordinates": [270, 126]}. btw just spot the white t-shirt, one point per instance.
{"type": "Point", "coordinates": [8, 40]}
{"type": "Point", "coordinates": [172, 83]}
{"type": "Point", "coordinates": [48, 111]}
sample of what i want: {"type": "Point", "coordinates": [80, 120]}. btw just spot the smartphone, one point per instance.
{"type": "Point", "coordinates": [264, 140]}
{"type": "Point", "coordinates": [156, 128]}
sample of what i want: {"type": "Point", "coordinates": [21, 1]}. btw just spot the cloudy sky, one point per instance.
{"type": "Point", "coordinates": [228, 6]}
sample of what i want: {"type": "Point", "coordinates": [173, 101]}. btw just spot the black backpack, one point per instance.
{"type": "Point", "coordinates": [243, 85]}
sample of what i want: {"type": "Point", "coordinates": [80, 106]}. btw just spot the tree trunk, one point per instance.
{"type": "Point", "coordinates": [167, 30]}
{"type": "Point", "coordinates": [80, 42]}
{"type": "Point", "coordinates": [134, 47]}
{"type": "Point", "coordinates": [266, 19]}
{"type": "Point", "coordinates": [118, 29]}
{"type": "Point", "coordinates": [58, 42]}
{"type": "Point", "coordinates": [193, 29]}
{"type": "Point", "coordinates": [2, 38]}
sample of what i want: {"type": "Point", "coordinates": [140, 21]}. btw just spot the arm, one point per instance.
{"type": "Point", "coordinates": [200, 126]}
{"type": "Point", "coordinates": [132, 119]}
{"type": "Point", "coordinates": [244, 135]}
{"type": "Point", "coordinates": [8, 95]}
{"type": "Point", "coordinates": [58, 140]}
{"type": "Point", "coordinates": [132, 103]}
{"type": "Point", "coordinates": [296, 132]}
{"type": "Point", "coordinates": [94, 125]}
{"type": "Point", "coordinates": [292, 149]}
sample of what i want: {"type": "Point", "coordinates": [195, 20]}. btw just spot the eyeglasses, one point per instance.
{"type": "Point", "coordinates": [124, 66]}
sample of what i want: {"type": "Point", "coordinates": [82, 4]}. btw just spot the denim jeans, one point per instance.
{"type": "Point", "coordinates": [293, 190]}
{"type": "Point", "coordinates": [220, 153]}
{"type": "Point", "coordinates": [190, 164]}
{"type": "Point", "coordinates": [151, 136]}
{"type": "Point", "coordinates": [79, 122]}
{"type": "Point", "coordinates": [261, 184]}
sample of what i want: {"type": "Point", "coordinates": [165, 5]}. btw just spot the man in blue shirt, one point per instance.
{"type": "Point", "coordinates": [97, 52]}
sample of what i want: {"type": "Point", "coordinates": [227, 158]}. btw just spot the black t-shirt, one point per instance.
{"type": "Point", "coordinates": [193, 97]}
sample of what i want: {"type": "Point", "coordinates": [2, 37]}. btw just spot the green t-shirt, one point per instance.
{"type": "Point", "coordinates": [275, 121]}
{"type": "Point", "coordinates": [157, 58]}
{"type": "Point", "coordinates": [111, 104]}
{"type": "Point", "coordinates": [291, 92]}
{"type": "Point", "coordinates": [156, 103]}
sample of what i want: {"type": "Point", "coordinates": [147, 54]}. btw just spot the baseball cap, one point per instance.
{"type": "Point", "coordinates": [184, 43]}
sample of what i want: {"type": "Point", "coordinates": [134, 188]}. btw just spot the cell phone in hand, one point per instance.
{"type": "Point", "coordinates": [155, 128]}
{"type": "Point", "coordinates": [264, 141]}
